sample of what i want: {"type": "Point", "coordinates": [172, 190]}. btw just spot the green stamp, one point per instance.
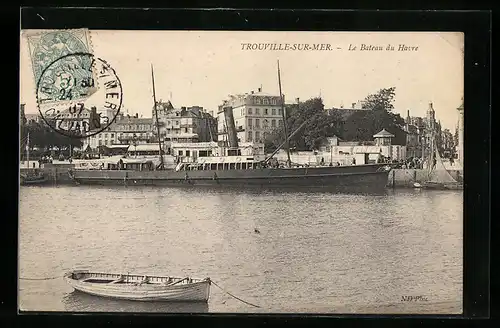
{"type": "Point", "coordinates": [74, 75]}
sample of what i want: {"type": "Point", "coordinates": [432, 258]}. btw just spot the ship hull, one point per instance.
{"type": "Point", "coordinates": [369, 176]}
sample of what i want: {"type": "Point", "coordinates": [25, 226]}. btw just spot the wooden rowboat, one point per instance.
{"type": "Point", "coordinates": [140, 287]}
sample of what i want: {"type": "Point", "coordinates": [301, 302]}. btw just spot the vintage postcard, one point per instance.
{"type": "Point", "coordinates": [241, 171]}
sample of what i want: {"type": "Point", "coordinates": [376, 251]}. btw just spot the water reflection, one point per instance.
{"type": "Point", "coordinates": [80, 302]}
{"type": "Point", "coordinates": [254, 190]}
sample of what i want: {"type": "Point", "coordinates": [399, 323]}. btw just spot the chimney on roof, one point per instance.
{"type": "Point", "coordinates": [251, 92]}
{"type": "Point", "coordinates": [260, 89]}
{"type": "Point", "coordinates": [297, 100]}
{"type": "Point", "coordinates": [136, 115]}
{"type": "Point", "coordinates": [353, 105]}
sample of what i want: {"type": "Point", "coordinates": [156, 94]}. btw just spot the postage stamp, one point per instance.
{"type": "Point", "coordinates": [64, 100]}
{"type": "Point", "coordinates": [46, 47]}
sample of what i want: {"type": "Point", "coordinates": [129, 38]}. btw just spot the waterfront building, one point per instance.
{"type": "Point", "coordinates": [460, 147]}
{"type": "Point", "coordinates": [359, 105]}
{"type": "Point", "coordinates": [255, 115]}
{"type": "Point", "coordinates": [384, 139]}
{"type": "Point", "coordinates": [414, 128]}
{"type": "Point", "coordinates": [430, 130]}
{"type": "Point", "coordinates": [185, 124]}
{"type": "Point", "coordinates": [33, 118]}
{"type": "Point", "coordinates": [124, 130]}
{"type": "Point", "coordinates": [131, 130]}
{"type": "Point", "coordinates": [447, 143]}
{"type": "Point", "coordinates": [420, 131]}
{"type": "Point", "coordinates": [334, 149]}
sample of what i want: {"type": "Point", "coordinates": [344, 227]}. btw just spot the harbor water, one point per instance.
{"type": "Point", "coordinates": [316, 252]}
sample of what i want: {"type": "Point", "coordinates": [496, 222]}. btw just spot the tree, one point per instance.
{"type": "Point", "coordinates": [44, 137]}
{"type": "Point", "coordinates": [363, 124]}
{"type": "Point", "coordinates": [319, 125]}
{"type": "Point", "coordinates": [382, 100]}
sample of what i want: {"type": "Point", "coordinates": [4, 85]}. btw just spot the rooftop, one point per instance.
{"type": "Point", "coordinates": [131, 119]}
{"type": "Point", "coordinates": [384, 134]}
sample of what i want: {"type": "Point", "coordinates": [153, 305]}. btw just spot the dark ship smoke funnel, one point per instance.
{"type": "Point", "coordinates": [232, 135]}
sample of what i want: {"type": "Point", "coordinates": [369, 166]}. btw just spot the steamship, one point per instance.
{"type": "Point", "coordinates": [231, 168]}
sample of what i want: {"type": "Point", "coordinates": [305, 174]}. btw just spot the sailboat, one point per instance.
{"type": "Point", "coordinates": [31, 176]}
{"type": "Point", "coordinates": [438, 177]}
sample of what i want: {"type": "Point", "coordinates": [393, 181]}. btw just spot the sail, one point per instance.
{"type": "Point", "coordinates": [439, 174]}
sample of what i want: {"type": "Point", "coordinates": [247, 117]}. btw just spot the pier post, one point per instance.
{"type": "Point", "coordinates": [414, 175]}
{"type": "Point", "coordinates": [55, 175]}
{"type": "Point", "coordinates": [393, 179]}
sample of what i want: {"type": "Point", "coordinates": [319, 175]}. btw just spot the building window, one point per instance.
{"type": "Point", "coordinates": [265, 124]}
{"type": "Point", "coordinates": [273, 123]}
{"type": "Point", "coordinates": [249, 123]}
{"type": "Point", "coordinates": [273, 111]}
{"type": "Point", "coordinates": [257, 136]}
{"type": "Point", "coordinates": [279, 111]}
{"type": "Point", "coordinates": [280, 123]}
{"type": "Point", "coordinates": [257, 111]}
{"type": "Point", "coordinates": [180, 152]}
{"type": "Point", "coordinates": [249, 111]}
{"type": "Point", "coordinates": [249, 138]}
{"type": "Point", "coordinates": [188, 153]}
{"type": "Point", "coordinates": [257, 123]}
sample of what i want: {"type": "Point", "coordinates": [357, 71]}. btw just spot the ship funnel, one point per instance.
{"type": "Point", "coordinates": [231, 127]}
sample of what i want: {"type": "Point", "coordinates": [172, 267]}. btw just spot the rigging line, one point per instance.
{"type": "Point", "coordinates": [239, 299]}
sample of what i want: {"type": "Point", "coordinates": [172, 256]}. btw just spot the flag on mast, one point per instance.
{"type": "Point", "coordinates": [28, 142]}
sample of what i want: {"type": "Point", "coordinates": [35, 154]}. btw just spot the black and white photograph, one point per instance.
{"type": "Point", "coordinates": [189, 171]}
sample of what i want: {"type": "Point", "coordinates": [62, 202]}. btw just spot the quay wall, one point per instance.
{"type": "Point", "coordinates": [58, 173]}
{"type": "Point", "coordinates": [405, 178]}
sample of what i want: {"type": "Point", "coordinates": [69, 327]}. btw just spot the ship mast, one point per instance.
{"type": "Point", "coordinates": [287, 141]}
{"type": "Point", "coordinates": [28, 150]}
{"type": "Point", "coordinates": [156, 115]}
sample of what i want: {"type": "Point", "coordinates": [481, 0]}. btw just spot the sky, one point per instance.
{"type": "Point", "coordinates": [201, 68]}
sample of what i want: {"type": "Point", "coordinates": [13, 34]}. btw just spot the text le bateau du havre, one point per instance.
{"type": "Point", "coordinates": [322, 47]}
